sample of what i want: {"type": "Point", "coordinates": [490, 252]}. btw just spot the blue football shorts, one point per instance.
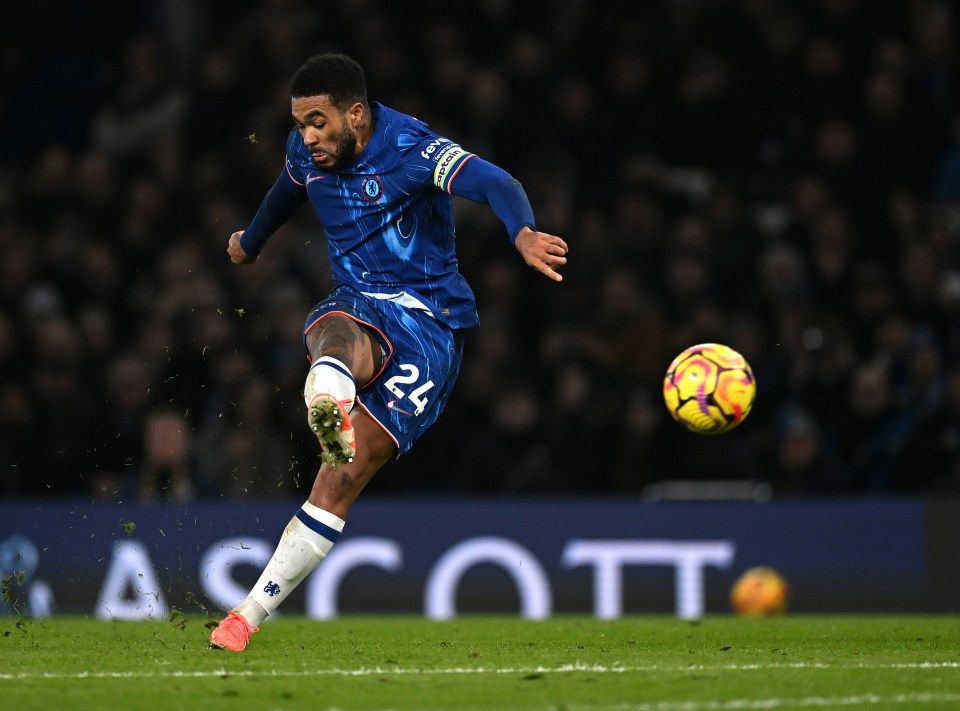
{"type": "Point", "coordinates": [422, 359]}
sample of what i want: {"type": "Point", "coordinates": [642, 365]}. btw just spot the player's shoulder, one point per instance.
{"type": "Point", "coordinates": [294, 141]}
{"type": "Point", "coordinates": [298, 157]}
{"type": "Point", "coordinates": [394, 120]}
{"type": "Point", "coordinates": [404, 131]}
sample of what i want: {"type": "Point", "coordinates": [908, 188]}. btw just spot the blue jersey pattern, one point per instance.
{"type": "Point", "coordinates": [388, 216]}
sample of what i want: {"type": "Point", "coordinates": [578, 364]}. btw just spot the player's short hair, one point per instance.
{"type": "Point", "coordinates": [334, 75]}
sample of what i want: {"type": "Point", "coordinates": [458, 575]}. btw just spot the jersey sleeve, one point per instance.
{"type": "Point", "coordinates": [459, 172]}
{"type": "Point", "coordinates": [484, 182]}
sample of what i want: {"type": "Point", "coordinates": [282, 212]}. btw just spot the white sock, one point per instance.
{"type": "Point", "coordinates": [306, 540]}
{"type": "Point", "coordinates": [331, 376]}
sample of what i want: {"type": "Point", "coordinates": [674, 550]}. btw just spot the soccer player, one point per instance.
{"type": "Point", "coordinates": [385, 346]}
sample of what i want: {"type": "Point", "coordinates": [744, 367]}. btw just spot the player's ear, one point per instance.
{"type": "Point", "coordinates": [356, 114]}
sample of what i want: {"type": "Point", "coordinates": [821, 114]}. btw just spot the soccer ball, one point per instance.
{"type": "Point", "coordinates": [759, 592]}
{"type": "Point", "coordinates": [709, 388]}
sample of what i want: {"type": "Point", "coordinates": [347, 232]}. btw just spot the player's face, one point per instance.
{"type": "Point", "coordinates": [328, 133]}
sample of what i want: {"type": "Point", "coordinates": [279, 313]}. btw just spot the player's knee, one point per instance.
{"type": "Point", "coordinates": [340, 337]}
{"type": "Point", "coordinates": [332, 335]}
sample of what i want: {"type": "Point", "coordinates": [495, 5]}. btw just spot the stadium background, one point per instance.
{"type": "Point", "coordinates": [783, 178]}
{"type": "Point", "coordinates": [780, 177]}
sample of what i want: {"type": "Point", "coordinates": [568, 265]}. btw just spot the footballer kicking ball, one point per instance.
{"type": "Point", "coordinates": [759, 592]}
{"type": "Point", "coordinates": [709, 388]}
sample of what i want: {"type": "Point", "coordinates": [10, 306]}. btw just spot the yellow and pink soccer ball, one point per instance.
{"type": "Point", "coordinates": [760, 592]}
{"type": "Point", "coordinates": [709, 388]}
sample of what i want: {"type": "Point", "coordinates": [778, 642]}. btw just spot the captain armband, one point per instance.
{"type": "Point", "coordinates": [449, 162]}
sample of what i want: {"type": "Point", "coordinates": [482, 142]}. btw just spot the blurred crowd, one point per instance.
{"type": "Point", "coordinates": [777, 176]}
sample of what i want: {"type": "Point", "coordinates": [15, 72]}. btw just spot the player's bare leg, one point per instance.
{"type": "Point", "coordinates": [337, 487]}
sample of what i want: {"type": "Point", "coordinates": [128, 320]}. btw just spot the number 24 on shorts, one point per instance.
{"type": "Point", "coordinates": [412, 375]}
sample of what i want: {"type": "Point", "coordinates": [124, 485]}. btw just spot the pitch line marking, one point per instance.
{"type": "Point", "coordinates": [774, 703]}
{"type": "Point", "coordinates": [404, 671]}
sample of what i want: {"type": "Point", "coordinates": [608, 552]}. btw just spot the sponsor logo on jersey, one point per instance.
{"type": "Point", "coordinates": [371, 188]}
{"type": "Point", "coordinates": [430, 150]}
{"type": "Point", "coordinates": [312, 178]}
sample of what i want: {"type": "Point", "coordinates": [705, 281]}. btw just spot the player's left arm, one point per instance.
{"type": "Point", "coordinates": [482, 181]}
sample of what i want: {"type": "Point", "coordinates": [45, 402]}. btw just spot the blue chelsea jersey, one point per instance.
{"type": "Point", "coordinates": [388, 216]}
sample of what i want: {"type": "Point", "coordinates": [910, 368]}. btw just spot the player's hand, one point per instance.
{"type": "Point", "coordinates": [545, 253]}
{"type": "Point", "coordinates": [236, 252]}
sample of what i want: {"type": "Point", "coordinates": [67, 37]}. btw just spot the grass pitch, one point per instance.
{"type": "Point", "coordinates": [565, 663]}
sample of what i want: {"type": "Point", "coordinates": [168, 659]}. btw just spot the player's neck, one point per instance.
{"type": "Point", "coordinates": [365, 132]}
